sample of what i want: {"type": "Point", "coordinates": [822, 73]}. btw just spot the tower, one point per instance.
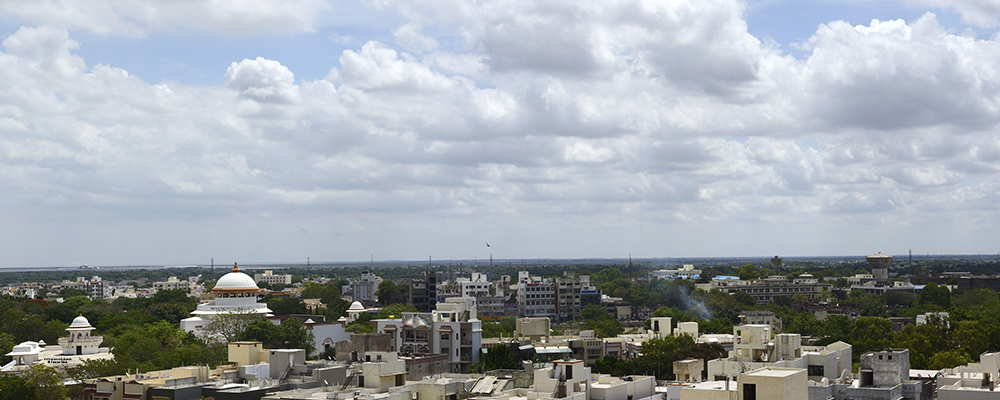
{"type": "Point", "coordinates": [776, 262]}
{"type": "Point", "coordinates": [880, 266]}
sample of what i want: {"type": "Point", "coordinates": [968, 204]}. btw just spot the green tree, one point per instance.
{"type": "Point", "coordinates": [871, 333]}
{"type": "Point", "coordinates": [13, 387]}
{"type": "Point", "coordinates": [496, 357]}
{"type": "Point", "coordinates": [46, 381]}
{"type": "Point", "coordinates": [612, 365]}
{"type": "Point", "coordinates": [501, 328]}
{"type": "Point", "coordinates": [948, 359]}
{"type": "Point", "coordinates": [933, 294]}
{"type": "Point", "coordinates": [603, 324]}
{"type": "Point", "coordinates": [749, 272]}
{"type": "Point", "coordinates": [291, 334]}
{"type": "Point", "coordinates": [286, 306]}
{"type": "Point", "coordinates": [391, 293]}
{"type": "Point", "coordinates": [228, 327]}
{"type": "Point", "coordinates": [6, 346]}
{"type": "Point", "coordinates": [395, 310]}
{"type": "Point", "coordinates": [170, 312]}
{"type": "Point", "coordinates": [71, 292]}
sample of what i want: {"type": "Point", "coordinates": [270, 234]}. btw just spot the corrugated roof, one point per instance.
{"type": "Point", "coordinates": [552, 350]}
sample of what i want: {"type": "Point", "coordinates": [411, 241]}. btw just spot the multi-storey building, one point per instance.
{"type": "Point", "coordinates": [95, 287]}
{"type": "Point", "coordinates": [490, 308]}
{"type": "Point", "coordinates": [270, 278]}
{"type": "Point", "coordinates": [568, 305]}
{"type": "Point", "coordinates": [536, 299]}
{"type": "Point", "coordinates": [365, 289]}
{"type": "Point", "coordinates": [172, 283]}
{"type": "Point", "coordinates": [453, 329]}
{"type": "Point", "coordinates": [477, 285]}
{"type": "Point", "coordinates": [768, 289]}
{"type": "Point", "coordinates": [423, 292]}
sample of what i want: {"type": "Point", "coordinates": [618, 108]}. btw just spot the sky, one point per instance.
{"type": "Point", "coordinates": [159, 133]}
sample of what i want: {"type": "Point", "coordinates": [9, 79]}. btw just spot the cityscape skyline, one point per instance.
{"type": "Point", "coordinates": [144, 134]}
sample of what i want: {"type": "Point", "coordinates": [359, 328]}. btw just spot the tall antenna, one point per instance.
{"type": "Point", "coordinates": [213, 264]}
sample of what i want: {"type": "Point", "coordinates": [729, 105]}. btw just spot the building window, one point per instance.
{"type": "Point", "coordinates": [815, 370]}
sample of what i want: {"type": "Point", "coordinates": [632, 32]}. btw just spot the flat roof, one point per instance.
{"type": "Point", "coordinates": [780, 373]}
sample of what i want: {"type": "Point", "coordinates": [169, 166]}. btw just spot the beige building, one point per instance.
{"type": "Point", "coordinates": [382, 370]}
{"type": "Point", "coordinates": [689, 370]}
{"type": "Point", "coordinates": [270, 278]}
{"type": "Point", "coordinates": [773, 384]}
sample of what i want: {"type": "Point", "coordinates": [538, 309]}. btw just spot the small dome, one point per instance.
{"type": "Point", "coordinates": [356, 307]}
{"type": "Point", "coordinates": [310, 321]}
{"type": "Point", "coordinates": [80, 322]}
{"type": "Point", "coordinates": [341, 319]}
{"type": "Point", "coordinates": [236, 280]}
{"type": "Point", "coordinates": [806, 276]}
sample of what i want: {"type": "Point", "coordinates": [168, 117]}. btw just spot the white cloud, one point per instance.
{"type": "Point", "coordinates": [410, 38]}
{"type": "Point", "coordinates": [262, 80]}
{"type": "Point", "coordinates": [565, 120]}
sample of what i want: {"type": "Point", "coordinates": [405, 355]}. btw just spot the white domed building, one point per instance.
{"type": "Point", "coordinates": [80, 341]}
{"type": "Point", "coordinates": [235, 293]}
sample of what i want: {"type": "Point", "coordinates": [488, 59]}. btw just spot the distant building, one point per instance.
{"type": "Point", "coordinates": [172, 283]}
{"type": "Point", "coordinates": [365, 289]}
{"type": "Point", "coordinates": [686, 271]}
{"type": "Point", "coordinates": [270, 278]}
{"type": "Point", "coordinates": [768, 289]}
{"type": "Point", "coordinates": [423, 292]}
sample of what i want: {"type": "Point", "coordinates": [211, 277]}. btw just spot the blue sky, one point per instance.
{"type": "Point", "coordinates": [147, 133]}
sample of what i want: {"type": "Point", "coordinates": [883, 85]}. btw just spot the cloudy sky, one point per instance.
{"type": "Point", "coordinates": [135, 132]}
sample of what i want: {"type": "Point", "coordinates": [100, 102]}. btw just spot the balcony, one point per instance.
{"type": "Point", "coordinates": [92, 339]}
{"type": "Point", "coordinates": [465, 343]}
{"type": "Point", "coordinates": [415, 340]}
{"type": "Point", "coordinates": [465, 358]}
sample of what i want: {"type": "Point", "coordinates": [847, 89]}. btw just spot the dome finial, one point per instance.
{"type": "Point", "coordinates": [236, 267]}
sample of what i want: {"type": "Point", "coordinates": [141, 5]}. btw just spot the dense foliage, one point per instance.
{"type": "Point", "coordinates": [658, 356]}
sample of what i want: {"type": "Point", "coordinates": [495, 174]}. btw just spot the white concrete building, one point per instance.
{"type": "Point", "coordinates": [80, 341]}
{"type": "Point", "coordinates": [753, 349]}
{"type": "Point", "coordinates": [686, 271]}
{"type": "Point", "coordinates": [235, 293]}
{"type": "Point", "coordinates": [971, 382]}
